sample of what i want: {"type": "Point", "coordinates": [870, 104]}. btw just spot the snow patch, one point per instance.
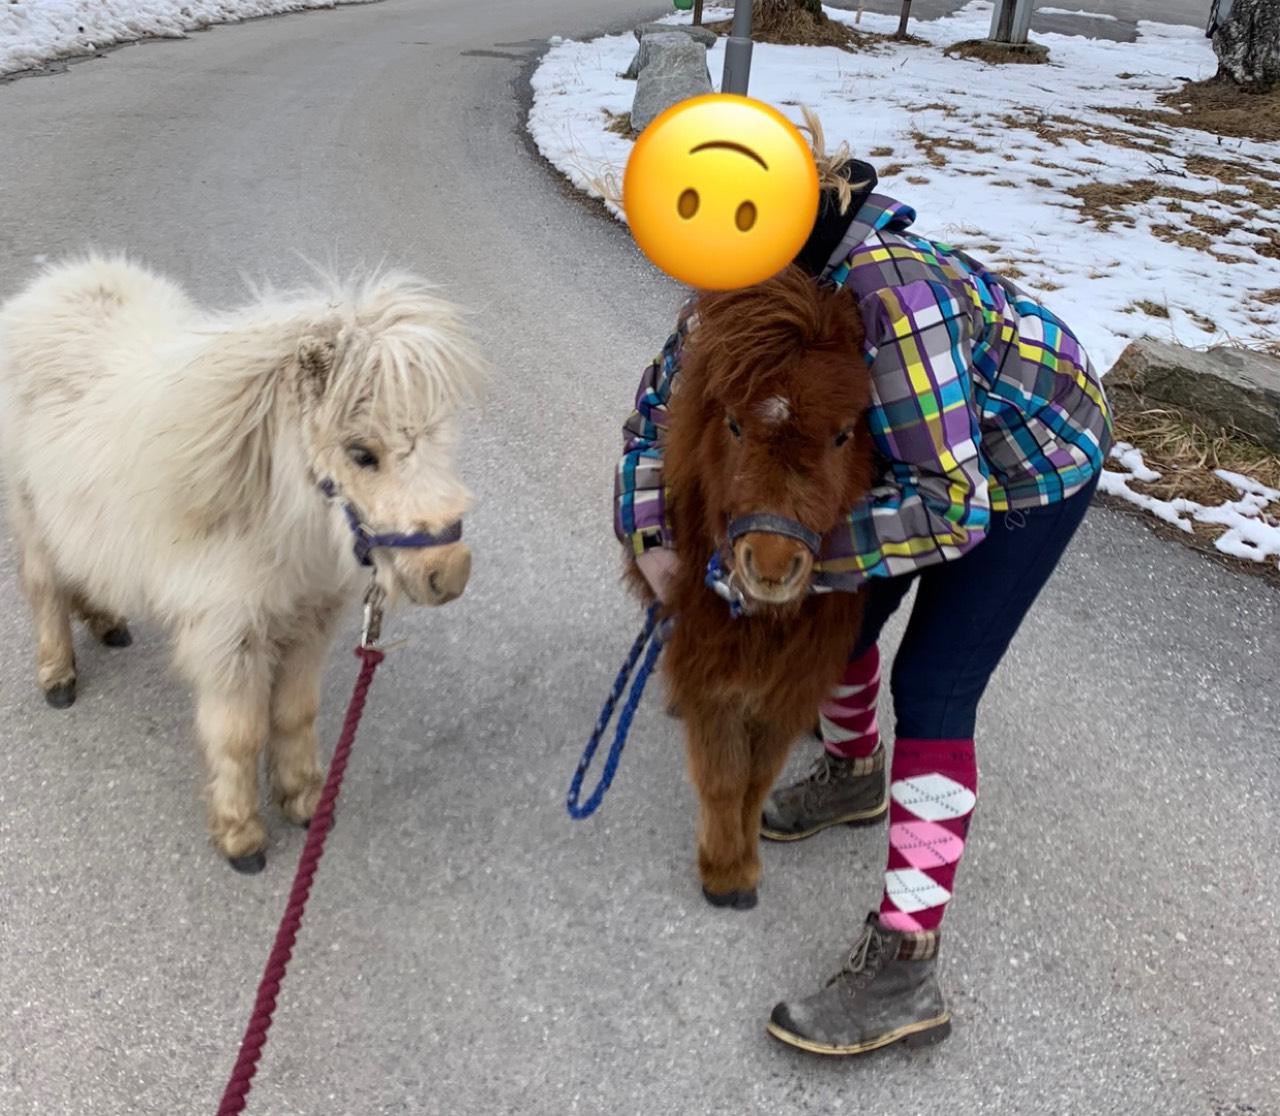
{"type": "Point", "coordinates": [1105, 16]}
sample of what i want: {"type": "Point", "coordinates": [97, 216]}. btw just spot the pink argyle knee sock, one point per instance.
{"type": "Point", "coordinates": [848, 716]}
{"type": "Point", "coordinates": [933, 785]}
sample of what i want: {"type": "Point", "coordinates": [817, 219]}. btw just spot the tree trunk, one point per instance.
{"type": "Point", "coordinates": [1246, 40]}
{"type": "Point", "coordinates": [906, 16]}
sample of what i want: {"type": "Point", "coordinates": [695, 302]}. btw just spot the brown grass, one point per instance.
{"type": "Point", "coordinates": [1153, 309]}
{"type": "Point", "coordinates": [979, 50]}
{"type": "Point", "coordinates": [880, 152]}
{"type": "Point", "coordinates": [917, 180]}
{"type": "Point", "coordinates": [1186, 455]}
{"type": "Point", "coordinates": [620, 123]}
{"type": "Point", "coordinates": [1105, 204]}
{"type": "Point", "coordinates": [891, 170]}
{"type": "Point", "coordinates": [1219, 107]}
{"type": "Point", "coordinates": [1271, 297]}
{"type": "Point", "coordinates": [791, 26]}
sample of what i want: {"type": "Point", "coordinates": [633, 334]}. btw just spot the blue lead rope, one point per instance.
{"type": "Point", "coordinates": [652, 636]}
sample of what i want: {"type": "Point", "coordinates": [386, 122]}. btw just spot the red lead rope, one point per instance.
{"type": "Point", "coordinates": [255, 1036]}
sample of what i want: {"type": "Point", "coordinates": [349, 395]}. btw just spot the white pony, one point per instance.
{"type": "Point", "coordinates": [200, 469]}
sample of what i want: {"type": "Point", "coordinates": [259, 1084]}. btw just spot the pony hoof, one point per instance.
{"type": "Point", "coordinates": [117, 637]}
{"type": "Point", "coordinates": [61, 696]}
{"type": "Point", "coordinates": [736, 900]}
{"type": "Point", "coordinates": [249, 865]}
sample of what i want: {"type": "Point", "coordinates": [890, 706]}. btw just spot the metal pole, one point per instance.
{"type": "Point", "coordinates": [737, 51]}
{"type": "Point", "coordinates": [1022, 20]}
{"type": "Point", "coordinates": [1002, 21]}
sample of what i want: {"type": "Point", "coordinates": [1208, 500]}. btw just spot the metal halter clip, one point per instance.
{"type": "Point", "coordinates": [374, 599]}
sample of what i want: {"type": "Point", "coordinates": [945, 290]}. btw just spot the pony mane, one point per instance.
{"type": "Point", "coordinates": [403, 358]}
{"type": "Point", "coordinates": [751, 333]}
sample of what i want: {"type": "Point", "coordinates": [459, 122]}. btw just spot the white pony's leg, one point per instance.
{"type": "Point", "coordinates": [105, 627]}
{"type": "Point", "coordinates": [50, 607]}
{"type": "Point", "coordinates": [296, 776]}
{"type": "Point", "coordinates": [233, 694]}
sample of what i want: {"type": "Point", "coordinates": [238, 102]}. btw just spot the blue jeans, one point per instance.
{"type": "Point", "coordinates": [965, 615]}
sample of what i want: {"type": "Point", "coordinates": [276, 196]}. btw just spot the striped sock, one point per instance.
{"type": "Point", "coordinates": [848, 716]}
{"type": "Point", "coordinates": [933, 785]}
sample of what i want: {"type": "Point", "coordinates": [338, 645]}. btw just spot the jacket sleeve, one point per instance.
{"type": "Point", "coordinates": [639, 494]}
{"type": "Point", "coordinates": [933, 504]}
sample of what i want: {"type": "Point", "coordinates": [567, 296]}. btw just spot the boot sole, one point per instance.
{"type": "Point", "coordinates": [864, 817]}
{"type": "Point", "coordinates": [928, 1032]}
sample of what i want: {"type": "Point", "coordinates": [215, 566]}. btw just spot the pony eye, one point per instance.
{"type": "Point", "coordinates": [734, 428]}
{"type": "Point", "coordinates": [363, 456]}
{"type": "Point", "coordinates": [843, 437]}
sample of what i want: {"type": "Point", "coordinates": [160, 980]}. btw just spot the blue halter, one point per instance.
{"type": "Point", "coordinates": [367, 540]}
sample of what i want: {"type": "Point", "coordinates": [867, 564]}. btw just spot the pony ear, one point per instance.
{"type": "Point", "coordinates": [315, 363]}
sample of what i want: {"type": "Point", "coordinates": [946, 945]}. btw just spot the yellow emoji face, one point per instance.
{"type": "Point", "coordinates": [720, 191]}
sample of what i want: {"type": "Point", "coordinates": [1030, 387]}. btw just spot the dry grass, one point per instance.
{"type": "Point", "coordinates": [979, 50]}
{"type": "Point", "coordinates": [1271, 297]}
{"type": "Point", "coordinates": [1186, 454]}
{"type": "Point", "coordinates": [1153, 309]}
{"type": "Point", "coordinates": [892, 170]}
{"type": "Point", "coordinates": [917, 180]}
{"type": "Point", "coordinates": [1220, 107]}
{"type": "Point", "coordinates": [880, 153]}
{"type": "Point", "coordinates": [619, 123]}
{"type": "Point", "coordinates": [932, 147]}
{"type": "Point", "coordinates": [799, 27]}
{"type": "Point", "coordinates": [1106, 204]}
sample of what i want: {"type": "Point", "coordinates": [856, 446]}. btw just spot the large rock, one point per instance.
{"type": "Point", "coordinates": [1230, 388]}
{"type": "Point", "coordinates": [697, 34]}
{"type": "Point", "coordinates": [673, 68]}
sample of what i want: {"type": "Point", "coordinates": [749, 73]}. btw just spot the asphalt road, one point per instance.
{"type": "Point", "coordinates": [469, 949]}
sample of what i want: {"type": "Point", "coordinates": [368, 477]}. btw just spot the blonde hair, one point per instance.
{"type": "Point", "coordinates": [608, 183]}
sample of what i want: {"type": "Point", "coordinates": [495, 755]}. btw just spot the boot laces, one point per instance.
{"type": "Point", "coordinates": [865, 960]}
{"type": "Point", "coordinates": [820, 775]}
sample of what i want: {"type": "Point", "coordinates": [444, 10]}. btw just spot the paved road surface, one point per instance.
{"type": "Point", "coordinates": [470, 950]}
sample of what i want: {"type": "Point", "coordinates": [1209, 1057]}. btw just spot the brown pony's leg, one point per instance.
{"type": "Point", "coordinates": [769, 751]}
{"type": "Point", "coordinates": [50, 607]}
{"type": "Point", "coordinates": [296, 777]}
{"type": "Point", "coordinates": [233, 693]}
{"type": "Point", "coordinates": [720, 765]}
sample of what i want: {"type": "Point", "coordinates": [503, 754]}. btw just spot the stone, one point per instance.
{"type": "Point", "coordinates": [674, 68]}
{"type": "Point", "coordinates": [1233, 389]}
{"type": "Point", "coordinates": [698, 34]}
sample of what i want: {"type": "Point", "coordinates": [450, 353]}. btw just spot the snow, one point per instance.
{"type": "Point", "coordinates": [1001, 191]}
{"type": "Point", "coordinates": [35, 32]}
{"type": "Point", "coordinates": [1252, 522]}
{"type": "Point", "coordinates": [1078, 15]}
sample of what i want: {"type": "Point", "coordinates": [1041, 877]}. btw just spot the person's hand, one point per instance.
{"type": "Point", "coordinates": [658, 567]}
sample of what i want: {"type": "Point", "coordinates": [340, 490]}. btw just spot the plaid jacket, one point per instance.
{"type": "Point", "coordinates": [982, 401]}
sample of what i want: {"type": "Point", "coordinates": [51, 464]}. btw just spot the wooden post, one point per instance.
{"type": "Point", "coordinates": [697, 13]}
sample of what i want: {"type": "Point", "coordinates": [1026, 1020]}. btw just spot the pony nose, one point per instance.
{"type": "Point", "coordinates": [773, 560]}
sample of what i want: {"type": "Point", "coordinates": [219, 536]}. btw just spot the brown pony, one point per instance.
{"type": "Point", "coordinates": [768, 417]}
